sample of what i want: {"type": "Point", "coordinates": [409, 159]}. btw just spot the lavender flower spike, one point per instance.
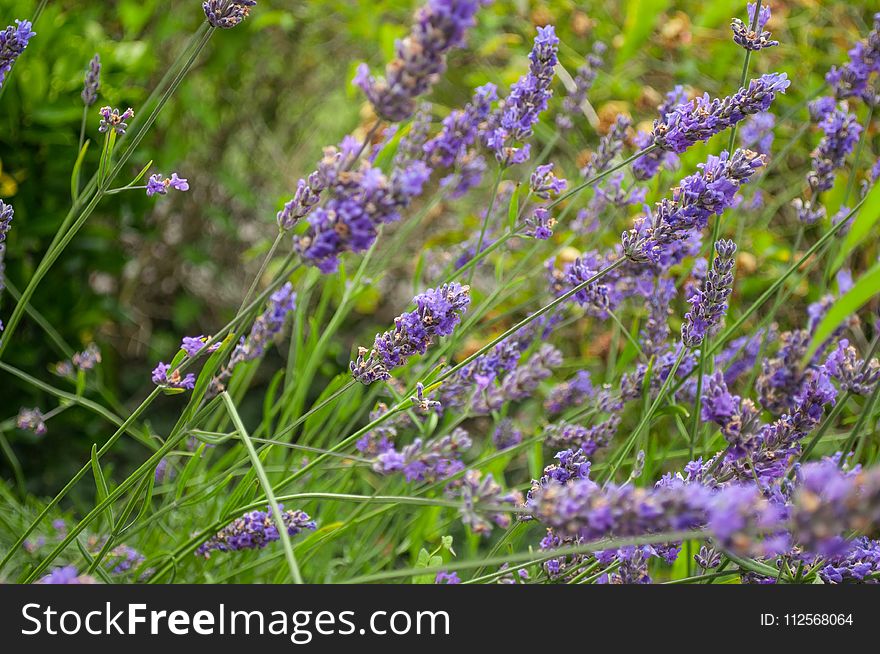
{"type": "Point", "coordinates": [710, 191]}
{"type": "Point", "coordinates": [757, 38]}
{"type": "Point", "coordinates": [841, 133]}
{"type": "Point", "coordinates": [226, 14]}
{"type": "Point", "coordinates": [703, 118]}
{"type": "Point", "coordinates": [513, 122]}
{"type": "Point", "coordinates": [583, 82]}
{"type": "Point", "coordinates": [710, 302]}
{"type": "Point", "coordinates": [438, 312]}
{"type": "Point", "coordinates": [92, 82]}
{"type": "Point", "coordinates": [255, 530]}
{"type": "Point", "coordinates": [440, 25]}
{"type": "Point", "coordinates": [13, 41]}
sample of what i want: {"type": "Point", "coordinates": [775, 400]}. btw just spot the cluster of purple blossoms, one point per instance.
{"type": "Point", "coordinates": [254, 530]}
{"type": "Point", "coordinates": [450, 578]}
{"type": "Point", "coordinates": [594, 297]}
{"type": "Point", "coordinates": [265, 328]}
{"type": "Point", "coordinates": [226, 14]}
{"type": "Point", "coordinates": [783, 374]}
{"type": "Point", "coordinates": [87, 359]}
{"type": "Point", "coordinates": [862, 560]}
{"type": "Point", "coordinates": [583, 509]}
{"type": "Point", "coordinates": [480, 374]}
{"type": "Point", "coordinates": [460, 129]}
{"type": "Point", "coordinates": [506, 435]}
{"type": "Point", "coordinates": [855, 375]}
{"type": "Point", "coordinates": [521, 383]}
{"type": "Point", "coordinates": [422, 461]}
{"type": "Point", "coordinates": [583, 82]}
{"type": "Point", "coordinates": [511, 125]}
{"type": "Point", "coordinates": [544, 183]}
{"type": "Point", "coordinates": [437, 313]}
{"type": "Point", "coordinates": [192, 345]}
{"type": "Point", "coordinates": [32, 420]}
{"type": "Point", "coordinates": [709, 304]}
{"type": "Point", "coordinates": [66, 575]}
{"type": "Point", "coordinates": [569, 436]}
{"type": "Point", "coordinates": [540, 224]}
{"type": "Point", "coordinates": [757, 132]}
{"type": "Point", "coordinates": [7, 213]}
{"type": "Point", "coordinates": [92, 83]}
{"type": "Point", "coordinates": [165, 377]}
{"type": "Point", "coordinates": [655, 332]}
{"type": "Point", "coordinates": [572, 465]}
{"type": "Point", "coordinates": [573, 392]}
{"type": "Point", "coordinates": [646, 166]}
{"type": "Point", "coordinates": [841, 133]}
{"type": "Point", "coordinates": [853, 78]}
{"type": "Point", "coordinates": [122, 559]}
{"type": "Point", "coordinates": [702, 118]}
{"type": "Point", "coordinates": [159, 184]}
{"type": "Point", "coordinates": [738, 418]}
{"type": "Point", "coordinates": [361, 199]}
{"type": "Point", "coordinates": [752, 35]}
{"type": "Point", "coordinates": [710, 191]}
{"type": "Point", "coordinates": [111, 119]}
{"type": "Point", "coordinates": [807, 212]}
{"type": "Point", "coordinates": [13, 41]}
{"type": "Point", "coordinates": [439, 26]}
{"type": "Point", "coordinates": [481, 498]}
{"type": "Point", "coordinates": [424, 404]}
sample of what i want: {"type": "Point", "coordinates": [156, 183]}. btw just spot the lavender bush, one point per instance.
{"type": "Point", "coordinates": [637, 342]}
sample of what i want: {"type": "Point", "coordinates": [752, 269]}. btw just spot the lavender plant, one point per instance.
{"type": "Point", "coordinates": [626, 396]}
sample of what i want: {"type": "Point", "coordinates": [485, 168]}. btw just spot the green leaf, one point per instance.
{"type": "Point", "coordinates": [100, 482]}
{"type": "Point", "coordinates": [641, 16]}
{"type": "Point", "coordinates": [77, 167]}
{"type": "Point", "coordinates": [867, 286]}
{"type": "Point", "coordinates": [513, 209]}
{"type": "Point", "coordinates": [861, 227]}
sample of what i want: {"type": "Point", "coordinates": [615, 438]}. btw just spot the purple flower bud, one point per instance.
{"type": "Point", "coordinates": [112, 119]}
{"type": "Point", "coordinates": [226, 14]}
{"type": "Point", "coordinates": [13, 41]}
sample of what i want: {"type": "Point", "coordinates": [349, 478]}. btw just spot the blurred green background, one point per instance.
{"type": "Point", "coordinates": [253, 116]}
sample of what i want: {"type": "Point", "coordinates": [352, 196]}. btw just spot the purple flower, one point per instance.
{"type": "Point", "coordinates": [841, 133]}
{"type": "Point", "coordinates": [807, 212]}
{"type": "Point", "coordinates": [440, 25]}
{"type": "Point", "coordinates": [583, 82]}
{"type": "Point", "coordinates": [438, 312]}
{"type": "Point", "coordinates": [13, 41]}
{"type": "Point", "coordinates": [573, 392]}
{"type": "Point", "coordinates": [265, 328]}
{"type": "Point", "coordinates": [112, 119]}
{"type": "Point", "coordinates": [710, 191]}
{"type": "Point", "coordinates": [511, 125]}
{"type": "Point", "coordinates": [545, 184]}
{"type": "Point", "coordinates": [66, 575]}
{"type": "Point", "coordinates": [646, 166]}
{"type": "Point", "coordinates": [255, 530]}
{"type": "Point", "coordinates": [428, 461]}
{"type": "Point", "coordinates": [477, 492]}
{"type": "Point", "coordinates": [506, 435]}
{"type": "Point", "coordinates": [7, 213]}
{"type": "Point", "coordinates": [447, 578]}
{"type": "Point", "coordinates": [853, 78]}
{"type": "Point", "coordinates": [424, 404]}
{"type": "Point", "coordinates": [92, 83]}
{"type": "Point", "coordinates": [753, 38]}
{"type": "Point", "coordinates": [568, 436]}
{"type": "Point", "coordinates": [461, 128]}
{"type": "Point", "coordinates": [702, 118]}
{"type": "Point", "coordinates": [854, 374]}
{"type": "Point", "coordinates": [165, 377]}
{"type": "Point", "coordinates": [226, 14]}
{"type": "Point", "coordinates": [192, 345]}
{"type": "Point", "coordinates": [757, 132]}
{"type": "Point", "coordinates": [31, 420]}
{"type": "Point", "coordinates": [158, 184]}
{"type": "Point", "coordinates": [540, 224]}
{"type": "Point", "coordinates": [709, 304]}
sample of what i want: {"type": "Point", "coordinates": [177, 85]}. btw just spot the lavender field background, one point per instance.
{"type": "Point", "coordinates": [458, 291]}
